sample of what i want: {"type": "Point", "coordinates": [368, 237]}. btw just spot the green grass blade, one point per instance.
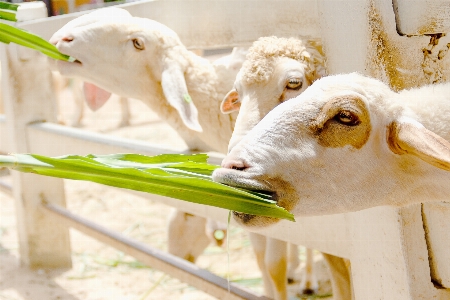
{"type": "Point", "coordinates": [3, 40]}
{"type": "Point", "coordinates": [9, 16]}
{"type": "Point", "coordinates": [9, 6]}
{"type": "Point", "coordinates": [162, 158]}
{"type": "Point", "coordinates": [11, 34]}
{"type": "Point", "coordinates": [157, 175]}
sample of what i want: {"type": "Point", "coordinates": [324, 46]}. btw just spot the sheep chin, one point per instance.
{"type": "Point", "coordinates": [68, 68]}
{"type": "Point", "coordinates": [253, 221]}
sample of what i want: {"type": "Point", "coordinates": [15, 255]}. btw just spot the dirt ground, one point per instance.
{"type": "Point", "coordinates": [100, 272]}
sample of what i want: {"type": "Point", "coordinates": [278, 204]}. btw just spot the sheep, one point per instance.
{"type": "Point", "coordinates": [276, 70]}
{"type": "Point", "coordinates": [184, 89]}
{"type": "Point", "coordinates": [189, 235]}
{"type": "Point", "coordinates": [353, 144]}
{"type": "Point", "coordinates": [177, 85]}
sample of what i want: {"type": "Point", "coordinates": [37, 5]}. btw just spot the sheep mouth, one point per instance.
{"type": "Point", "coordinates": [253, 221]}
{"type": "Point", "coordinates": [243, 179]}
{"type": "Point", "coordinates": [74, 63]}
{"type": "Point", "coordinates": [67, 68]}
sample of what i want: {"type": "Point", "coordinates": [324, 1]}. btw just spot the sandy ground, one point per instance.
{"type": "Point", "coordinates": [100, 272]}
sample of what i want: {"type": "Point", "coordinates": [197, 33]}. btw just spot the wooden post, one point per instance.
{"type": "Point", "coordinates": [390, 256]}
{"type": "Point", "coordinates": [28, 98]}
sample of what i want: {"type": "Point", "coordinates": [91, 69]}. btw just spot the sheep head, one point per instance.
{"type": "Point", "coordinates": [347, 143]}
{"type": "Point", "coordinates": [276, 70]}
{"type": "Point", "coordinates": [130, 56]}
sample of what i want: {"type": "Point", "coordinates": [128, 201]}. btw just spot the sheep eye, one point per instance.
{"type": "Point", "coordinates": [138, 44]}
{"type": "Point", "coordinates": [347, 118]}
{"type": "Point", "coordinates": [294, 84]}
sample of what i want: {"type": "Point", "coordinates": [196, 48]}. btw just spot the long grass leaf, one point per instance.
{"type": "Point", "coordinates": [184, 177]}
{"type": "Point", "coordinates": [9, 16]}
{"type": "Point", "coordinates": [9, 6]}
{"type": "Point", "coordinates": [11, 34]}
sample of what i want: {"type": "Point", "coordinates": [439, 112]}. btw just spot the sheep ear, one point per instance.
{"type": "Point", "coordinates": [95, 96]}
{"type": "Point", "coordinates": [230, 102]}
{"type": "Point", "coordinates": [176, 93]}
{"type": "Point", "coordinates": [407, 136]}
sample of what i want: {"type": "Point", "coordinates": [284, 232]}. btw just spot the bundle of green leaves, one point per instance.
{"type": "Point", "coordinates": [179, 176]}
{"type": "Point", "coordinates": [11, 34]}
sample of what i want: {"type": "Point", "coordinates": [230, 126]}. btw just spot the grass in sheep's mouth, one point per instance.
{"type": "Point", "coordinates": [184, 177]}
{"type": "Point", "coordinates": [11, 34]}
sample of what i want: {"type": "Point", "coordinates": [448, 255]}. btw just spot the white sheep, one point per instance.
{"type": "Point", "coordinates": [347, 143]}
{"type": "Point", "coordinates": [143, 59]}
{"type": "Point", "coordinates": [176, 86]}
{"type": "Point", "coordinates": [276, 70]}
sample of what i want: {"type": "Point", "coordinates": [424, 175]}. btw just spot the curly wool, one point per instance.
{"type": "Point", "coordinates": [262, 55]}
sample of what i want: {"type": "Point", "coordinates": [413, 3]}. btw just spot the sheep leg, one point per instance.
{"type": "Point", "coordinates": [59, 84]}
{"type": "Point", "coordinates": [126, 115]}
{"type": "Point", "coordinates": [259, 248]}
{"type": "Point", "coordinates": [186, 235]}
{"type": "Point", "coordinates": [340, 277]}
{"type": "Point", "coordinates": [276, 264]}
{"type": "Point", "coordinates": [293, 262]}
{"type": "Point", "coordinates": [309, 284]}
{"type": "Point", "coordinates": [78, 98]}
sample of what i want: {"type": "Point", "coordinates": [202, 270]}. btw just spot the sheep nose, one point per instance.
{"type": "Point", "coordinates": [67, 39]}
{"type": "Point", "coordinates": [235, 164]}
{"type": "Point", "coordinates": [56, 39]}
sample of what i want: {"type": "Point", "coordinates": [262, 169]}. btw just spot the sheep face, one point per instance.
{"type": "Point", "coordinates": [343, 145]}
{"type": "Point", "coordinates": [254, 100]}
{"type": "Point", "coordinates": [101, 59]}
{"type": "Point", "coordinates": [130, 56]}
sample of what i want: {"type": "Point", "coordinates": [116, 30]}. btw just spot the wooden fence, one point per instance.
{"type": "Point", "coordinates": [389, 248]}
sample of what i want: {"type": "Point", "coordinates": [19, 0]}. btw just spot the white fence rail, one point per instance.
{"type": "Point", "coordinates": [388, 247]}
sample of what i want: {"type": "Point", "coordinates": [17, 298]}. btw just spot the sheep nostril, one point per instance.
{"type": "Point", "coordinates": [234, 164]}
{"type": "Point", "coordinates": [238, 168]}
{"type": "Point", "coordinates": [67, 39]}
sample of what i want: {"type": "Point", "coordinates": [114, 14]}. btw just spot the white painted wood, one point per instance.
{"type": "Point", "coordinates": [419, 17]}
{"type": "Point", "coordinates": [31, 10]}
{"type": "Point", "coordinates": [4, 141]}
{"type": "Point", "coordinates": [206, 23]}
{"type": "Point", "coordinates": [373, 46]}
{"type": "Point", "coordinates": [437, 233]}
{"type": "Point", "coordinates": [42, 242]}
{"type": "Point", "coordinates": [390, 259]}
